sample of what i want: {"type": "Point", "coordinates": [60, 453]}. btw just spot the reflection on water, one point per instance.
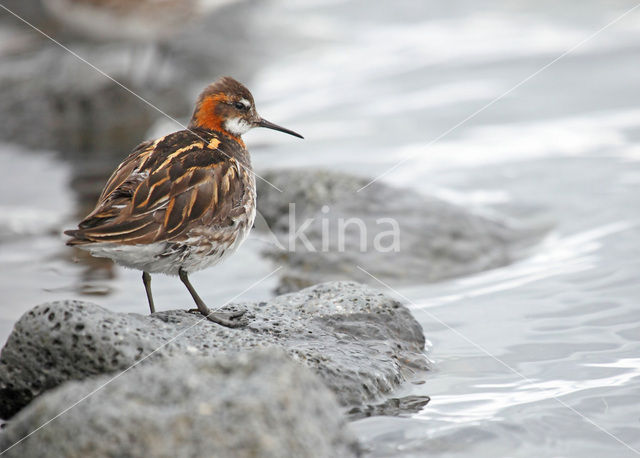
{"type": "Point", "coordinates": [369, 86]}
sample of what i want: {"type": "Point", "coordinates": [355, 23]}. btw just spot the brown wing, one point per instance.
{"type": "Point", "coordinates": [162, 190]}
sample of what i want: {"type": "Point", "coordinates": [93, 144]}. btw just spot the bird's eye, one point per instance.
{"type": "Point", "coordinates": [240, 106]}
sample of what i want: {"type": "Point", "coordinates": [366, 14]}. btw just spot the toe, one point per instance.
{"type": "Point", "coordinates": [226, 321]}
{"type": "Point", "coordinates": [237, 313]}
{"type": "Point", "coordinates": [232, 319]}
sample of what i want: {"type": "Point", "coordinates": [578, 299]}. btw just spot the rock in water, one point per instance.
{"type": "Point", "coordinates": [361, 342]}
{"type": "Point", "coordinates": [78, 110]}
{"type": "Point", "coordinates": [257, 403]}
{"type": "Point", "coordinates": [333, 229]}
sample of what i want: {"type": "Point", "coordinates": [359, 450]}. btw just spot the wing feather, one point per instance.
{"type": "Point", "coordinates": [161, 190]}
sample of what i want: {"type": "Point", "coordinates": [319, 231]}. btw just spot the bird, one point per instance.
{"type": "Point", "coordinates": [182, 202]}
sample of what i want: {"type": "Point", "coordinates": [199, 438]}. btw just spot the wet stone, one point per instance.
{"type": "Point", "coordinates": [436, 240]}
{"type": "Point", "coordinates": [360, 342]}
{"type": "Point", "coordinates": [394, 407]}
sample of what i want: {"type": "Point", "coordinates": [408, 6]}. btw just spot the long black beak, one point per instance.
{"type": "Point", "coordinates": [270, 125]}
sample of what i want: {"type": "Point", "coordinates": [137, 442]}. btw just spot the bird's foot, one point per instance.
{"type": "Point", "coordinates": [233, 319]}
{"type": "Point", "coordinates": [229, 319]}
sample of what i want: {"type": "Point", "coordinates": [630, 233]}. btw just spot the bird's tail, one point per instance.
{"type": "Point", "coordinates": [77, 237]}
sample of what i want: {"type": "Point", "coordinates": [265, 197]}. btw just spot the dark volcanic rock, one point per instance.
{"type": "Point", "coordinates": [257, 403]}
{"type": "Point", "coordinates": [394, 407]}
{"type": "Point", "coordinates": [436, 240]}
{"type": "Point", "coordinates": [360, 342]}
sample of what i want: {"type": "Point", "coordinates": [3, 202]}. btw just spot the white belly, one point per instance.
{"type": "Point", "coordinates": [191, 255]}
{"type": "Point", "coordinates": [203, 248]}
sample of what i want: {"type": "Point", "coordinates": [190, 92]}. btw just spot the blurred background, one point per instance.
{"type": "Point", "coordinates": [369, 84]}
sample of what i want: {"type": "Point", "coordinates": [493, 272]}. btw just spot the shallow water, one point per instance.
{"type": "Point", "coordinates": [539, 358]}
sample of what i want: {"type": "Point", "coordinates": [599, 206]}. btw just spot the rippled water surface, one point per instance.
{"type": "Point", "coordinates": [539, 358]}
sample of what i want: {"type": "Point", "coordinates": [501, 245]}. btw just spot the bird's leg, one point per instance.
{"type": "Point", "coordinates": [146, 279]}
{"type": "Point", "coordinates": [221, 318]}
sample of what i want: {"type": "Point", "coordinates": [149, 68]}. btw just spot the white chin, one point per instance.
{"type": "Point", "coordinates": [237, 126]}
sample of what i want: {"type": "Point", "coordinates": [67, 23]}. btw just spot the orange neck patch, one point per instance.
{"type": "Point", "coordinates": [206, 117]}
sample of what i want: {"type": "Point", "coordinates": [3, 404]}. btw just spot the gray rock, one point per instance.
{"type": "Point", "coordinates": [437, 240]}
{"type": "Point", "coordinates": [361, 342]}
{"type": "Point", "coordinates": [76, 108]}
{"type": "Point", "coordinates": [53, 100]}
{"type": "Point", "coordinates": [257, 403]}
{"type": "Point", "coordinates": [393, 407]}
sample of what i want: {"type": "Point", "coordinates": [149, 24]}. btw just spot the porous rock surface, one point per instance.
{"type": "Point", "coordinates": [256, 403]}
{"type": "Point", "coordinates": [361, 342]}
{"type": "Point", "coordinates": [436, 239]}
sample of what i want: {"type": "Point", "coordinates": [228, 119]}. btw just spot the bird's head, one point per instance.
{"type": "Point", "coordinates": [227, 106]}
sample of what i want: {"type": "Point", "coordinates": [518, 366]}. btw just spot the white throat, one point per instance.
{"type": "Point", "coordinates": [237, 126]}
